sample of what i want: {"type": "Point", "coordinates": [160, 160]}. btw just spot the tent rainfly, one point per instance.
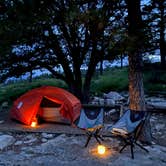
{"type": "Point", "coordinates": [30, 105]}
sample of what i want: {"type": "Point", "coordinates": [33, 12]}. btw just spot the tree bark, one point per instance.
{"type": "Point", "coordinates": [30, 76]}
{"type": "Point", "coordinates": [87, 82]}
{"type": "Point", "coordinates": [136, 88]}
{"type": "Point", "coordinates": [121, 61]}
{"type": "Point", "coordinates": [101, 67]}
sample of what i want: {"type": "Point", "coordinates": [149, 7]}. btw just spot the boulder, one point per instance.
{"type": "Point", "coordinates": [114, 96]}
{"type": "Point", "coordinates": [155, 99]}
{"type": "Point", "coordinates": [4, 105]}
{"type": "Point", "coordinates": [110, 102]}
{"type": "Point", "coordinates": [47, 135]}
{"type": "Point", "coordinates": [161, 105]}
{"type": "Point", "coordinates": [6, 140]}
{"type": "Point", "coordinates": [101, 101]}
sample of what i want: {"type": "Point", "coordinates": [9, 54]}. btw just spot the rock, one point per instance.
{"type": "Point", "coordinates": [101, 101]}
{"type": "Point", "coordinates": [159, 133]}
{"type": "Point", "coordinates": [18, 142]}
{"type": "Point", "coordinates": [152, 120]}
{"type": "Point", "coordinates": [155, 99]}
{"type": "Point", "coordinates": [5, 141]}
{"type": "Point", "coordinates": [160, 126]}
{"type": "Point", "coordinates": [57, 140]}
{"type": "Point", "coordinates": [30, 141]}
{"type": "Point", "coordinates": [110, 102]}
{"type": "Point", "coordinates": [4, 104]}
{"type": "Point", "coordinates": [157, 105]}
{"type": "Point", "coordinates": [156, 148]}
{"type": "Point", "coordinates": [2, 121]}
{"type": "Point", "coordinates": [114, 95]}
{"type": "Point", "coordinates": [28, 137]}
{"type": "Point", "coordinates": [112, 111]}
{"type": "Point", "coordinates": [95, 101]}
{"type": "Point", "coordinates": [47, 136]}
{"type": "Point", "coordinates": [153, 143]}
{"type": "Point", "coordinates": [60, 138]}
{"type": "Point", "coordinates": [44, 140]}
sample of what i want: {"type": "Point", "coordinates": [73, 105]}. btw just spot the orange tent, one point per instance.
{"type": "Point", "coordinates": [28, 106]}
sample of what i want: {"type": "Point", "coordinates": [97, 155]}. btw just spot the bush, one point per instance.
{"type": "Point", "coordinates": [112, 80]}
{"type": "Point", "coordinates": [13, 91]}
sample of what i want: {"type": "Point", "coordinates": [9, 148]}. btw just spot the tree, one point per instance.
{"type": "Point", "coordinates": [66, 34]}
{"type": "Point", "coordinates": [161, 5]}
{"type": "Point", "coordinates": [154, 14]}
{"type": "Point", "coordinates": [136, 39]}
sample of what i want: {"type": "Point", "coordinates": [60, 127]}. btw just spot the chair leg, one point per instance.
{"type": "Point", "coordinates": [97, 139]}
{"type": "Point", "coordinates": [123, 148]}
{"type": "Point", "coordinates": [99, 136]}
{"type": "Point", "coordinates": [141, 147]}
{"type": "Point", "coordinates": [131, 148]}
{"type": "Point", "coordinates": [132, 152]}
{"type": "Point", "coordinates": [88, 139]}
{"type": "Point", "coordinates": [95, 135]}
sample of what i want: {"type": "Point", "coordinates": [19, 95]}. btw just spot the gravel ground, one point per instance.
{"type": "Point", "coordinates": [45, 149]}
{"type": "Point", "coordinates": [158, 127]}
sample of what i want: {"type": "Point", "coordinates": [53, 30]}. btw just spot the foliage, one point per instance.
{"type": "Point", "coordinates": [154, 78]}
{"type": "Point", "coordinates": [66, 34]}
{"type": "Point", "coordinates": [115, 80]}
{"type": "Point", "coordinates": [154, 14]}
{"type": "Point", "coordinates": [62, 34]}
{"type": "Point", "coordinates": [12, 91]}
{"type": "Point", "coordinates": [111, 80]}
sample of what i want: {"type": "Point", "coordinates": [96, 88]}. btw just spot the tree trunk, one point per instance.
{"type": "Point", "coordinates": [88, 78]}
{"type": "Point", "coordinates": [86, 86]}
{"type": "Point", "coordinates": [30, 76]}
{"type": "Point", "coordinates": [136, 88]}
{"type": "Point", "coordinates": [121, 61]}
{"type": "Point", "coordinates": [101, 67]}
{"type": "Point", "coordinates": [136, 91]}
{"type": "Point", "coordinates": [77, 73]}
{"type": "Point", "coordinates": [76, 90]}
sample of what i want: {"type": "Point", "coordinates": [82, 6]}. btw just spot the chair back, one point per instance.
{"type": "Point", "coordinates": [90, 118]}
{"type": "Point", "coordinates": [129, 121]}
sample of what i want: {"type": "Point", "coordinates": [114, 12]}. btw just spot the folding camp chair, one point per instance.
{"type": "Point", "coordinates": [91, 120]}
{"type": "Point", "coordinates": [129, 127]}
